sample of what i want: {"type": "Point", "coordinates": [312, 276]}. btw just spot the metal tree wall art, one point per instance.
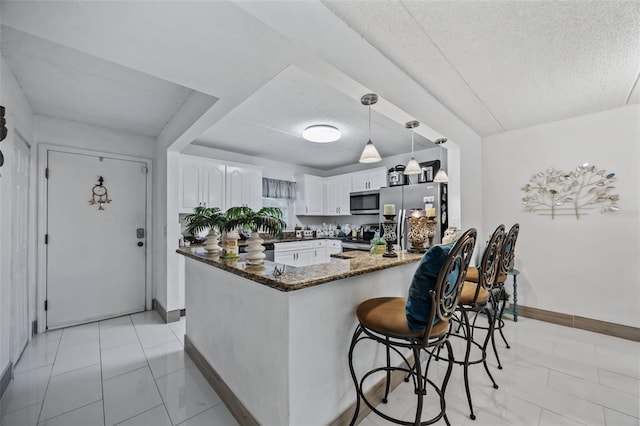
{"type": "Point", "coordinates": [555, 192]}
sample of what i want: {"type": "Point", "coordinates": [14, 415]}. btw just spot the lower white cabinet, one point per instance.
{"type": "Point", "coordinates": [301, 253]}
{"type": "Point", "coordinates": [333, 246]}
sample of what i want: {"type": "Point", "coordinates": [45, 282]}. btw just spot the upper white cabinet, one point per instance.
{"type": "Point", "coordinates": [337, 191]}
{"type": "Point", "coordinates": [210, 183]}
{"type": "Point", "coordinates": [367, 180]}
{"type": "Point", "coordinates": [309, 195]}
{"type": "Point", "coordinates": [244, 187]}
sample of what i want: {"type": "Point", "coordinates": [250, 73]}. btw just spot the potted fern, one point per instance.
{"type": "Point", "coordinates": [206, 219]}
{"type": "Point", "coordinates": [267, 219]}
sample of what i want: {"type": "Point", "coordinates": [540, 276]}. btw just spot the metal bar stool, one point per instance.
{"type": "Point", "coordinates": [389, 321]}
{"type": "Point", "coordinates": [507, 257]}
{"type": "Point", "coordinates": [499, 295]}
{"type": "Point", "coordinates": [475, 298]}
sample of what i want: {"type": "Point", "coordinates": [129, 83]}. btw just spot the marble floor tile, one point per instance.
{"type": "Point", "coordinates": [113, 336]}
{"type": "Point", "coordinates": [619, 381]}
{"type": "Point", "coordinates": [167, 358]}
{"type": "Point", "coordinates": [122, 359]}
{"type": "Point", "coordinates": [26, 389]}
{"type": "Point", "coordinates": [615, 418]}
{"type": "Point", "coordinates": [186, 393]}
{"type": "Point", "coordinates": [128, 395]}
{"type": "Point", "coordinates": [552, 376]}
{"type": "Point", "coordinates": [72, 390]}
{"type": "Point", "coordinates": [595, 392]}
{"type": "Point", "coordinates": [89, 415]}
{"type": "Point", "coordinates": [76, 356]}
{"type": "Point", "coordinates": [79, 334]}
{"type": "Point", "coordinates": [548, 418]}
{"type": "Point", "coordinates": [156, 416]}
{"type": "Point", "coordinates": [27, 416]}
{"type": "Point", "coordinates": [217, 415]}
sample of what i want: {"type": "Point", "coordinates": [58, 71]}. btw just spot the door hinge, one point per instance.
{"type": "Point", "coordinates": [46, 305]}
{"type": "Point", "coordinates": [46, 238]}
{"type": "Point", "coordinates": [46, 173]}
{"type": "Point", "coordinates": [145, 170]}
{"type": "Point", "coordinates": [34, 327]}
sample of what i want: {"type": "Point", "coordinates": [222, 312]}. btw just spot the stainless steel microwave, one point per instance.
{"type": "Point", "coordinates": [366, 202]}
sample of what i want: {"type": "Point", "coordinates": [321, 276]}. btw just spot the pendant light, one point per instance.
{"type": "Point", "coordinates": [441, 176]}
{"type": "Point", "coordinates": [413, 168]}
{"type": "Point", "coordinates": [369, 153]}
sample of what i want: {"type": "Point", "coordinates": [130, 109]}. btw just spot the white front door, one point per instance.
{"type": "Point", "coordinates": [19, 243]}
{"type": "Point", "coordinates": [96, 259]}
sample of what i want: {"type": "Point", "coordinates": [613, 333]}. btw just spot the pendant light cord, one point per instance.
{"type": "Point", "coordinates": [369, 122]}
{"type": "Point", "coordinates": [411, 143]}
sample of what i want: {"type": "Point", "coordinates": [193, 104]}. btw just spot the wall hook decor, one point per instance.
{"type": "Point", "coordinates": [100, 194]}
{"type": "Point", "coordinates": [554, 192]}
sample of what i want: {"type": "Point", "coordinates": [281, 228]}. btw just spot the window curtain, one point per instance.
{"type": "Point", "coordinates": [274, 188]}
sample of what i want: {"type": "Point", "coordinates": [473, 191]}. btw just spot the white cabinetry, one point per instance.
{"type": "Point", "coordinates": [333, 246]}
{"type": "Point", "coordinates": [309, 195]}
{"type": "Point", "coordinates": [301, 253]}
{"type": "Point", "coordinates": [210, 183]}
{"type": "Point", "coordinates": [337, 190]}
{"type": "Point", "coordinates": [369, 179]}
{"type": "Point", "coordinates": [244, 187]}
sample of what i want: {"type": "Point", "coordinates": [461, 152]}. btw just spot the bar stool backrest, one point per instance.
{"type": "Point", "coordinates": [451, 277]}
{"type": "Point", "coordinates": [509, 249]}
{"type": "Point", "coordinates": [491, 260]}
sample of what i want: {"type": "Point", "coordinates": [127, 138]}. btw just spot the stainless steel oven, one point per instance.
{"type": "Point", "coordinates": [367, 202]}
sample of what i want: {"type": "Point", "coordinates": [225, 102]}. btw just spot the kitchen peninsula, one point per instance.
{"type": "Point", "coordinates": [279, 343]}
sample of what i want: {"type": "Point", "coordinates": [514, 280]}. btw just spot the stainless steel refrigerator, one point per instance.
{"type": "Point", "coordinates": [416, 196]}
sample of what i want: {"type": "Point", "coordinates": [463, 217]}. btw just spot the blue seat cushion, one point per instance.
{"type": "Point", "coordinates": [418, 307]}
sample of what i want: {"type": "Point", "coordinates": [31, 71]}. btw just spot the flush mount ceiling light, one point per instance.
{"type": "Point", "coordinates": [413, 168]}
{"type": "Point", "coordinates": [369, 153]}
{"type": "Point", "coordinates": [441, 176]}
{"type": "Point", "coordinates": [321, 133]}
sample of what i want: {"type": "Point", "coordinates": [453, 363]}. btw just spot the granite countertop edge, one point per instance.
{"type": "Point", "coordinates": [263, 274]}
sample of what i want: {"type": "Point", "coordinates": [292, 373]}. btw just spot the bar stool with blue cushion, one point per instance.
{"type": "Point", "coordinates": [475, 299]}
{"type": "Point", "coordinates": [420, 322]}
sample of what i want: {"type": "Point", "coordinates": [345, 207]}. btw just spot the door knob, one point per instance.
{"type": "Point", "coordinates": [140, 243]}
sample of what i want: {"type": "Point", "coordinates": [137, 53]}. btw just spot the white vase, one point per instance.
{"type": "Point", "coordinates": [255, 249]}
{"type": "Point", "coordinates": [212, 246]}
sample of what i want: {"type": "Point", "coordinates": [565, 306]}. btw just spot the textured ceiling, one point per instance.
{"type": "Point", "coordinates": [505, 65]}
{"type": "Point", "coordinates": [271, 121]}
{"type": "Point", "coordinates": [65, 83]}
{"type": "Point", "coordinates": [497, 65]}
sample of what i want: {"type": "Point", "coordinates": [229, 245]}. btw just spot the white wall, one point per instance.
{"type": "Point", "coordinates": [588, 267]}
{"type": "Point", "coordinates": [79, 135]}
{"type": "Point", "coordinates": [19, 117]}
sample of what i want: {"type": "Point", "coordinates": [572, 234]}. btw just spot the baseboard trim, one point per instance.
{"type": "Point", "coordinates": [5, 380]}
{"type": "Point", "coordinates": [167, 316]}
{"type": "Point", "coordinates": [588, 324]}
{"type": "Point", "coordinates": [234, 405]}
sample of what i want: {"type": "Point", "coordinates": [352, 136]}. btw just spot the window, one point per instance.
{"type": "Point", "coordinates": [280, 194]}
{"type": "Point", "coordinates": [287, 207]}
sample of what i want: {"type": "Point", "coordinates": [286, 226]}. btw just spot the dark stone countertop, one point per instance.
{"type": "Point", "coordinates": [340, 266]}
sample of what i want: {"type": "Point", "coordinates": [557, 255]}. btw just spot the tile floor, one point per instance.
{"type": "Point", "coordinates": [125, 371]}
{"type": "Point", "coordinates": [132, 371]}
